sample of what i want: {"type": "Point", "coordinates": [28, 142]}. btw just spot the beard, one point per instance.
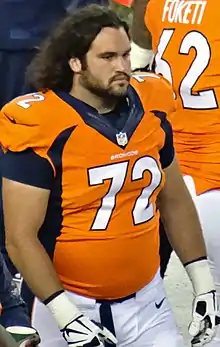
{"type": "Point", "coordinates": [109, 92]}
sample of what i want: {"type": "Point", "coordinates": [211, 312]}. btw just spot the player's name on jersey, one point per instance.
{"type": "Point", "coordinates": [184, 11]}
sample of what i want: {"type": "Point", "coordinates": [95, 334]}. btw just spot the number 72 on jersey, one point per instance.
{"type": "Point", "coordinates": [143, 208]}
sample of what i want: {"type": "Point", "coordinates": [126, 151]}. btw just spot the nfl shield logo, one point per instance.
{"type": "Point", "coordinates": [122, 139]}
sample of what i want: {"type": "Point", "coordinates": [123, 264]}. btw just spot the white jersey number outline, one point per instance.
{"type": "Point", "coordinates": [30, 98]}
{"type": "Point", "coordinates": [202, 100]}
{"type": "Point", "coordinates": [117, 173]}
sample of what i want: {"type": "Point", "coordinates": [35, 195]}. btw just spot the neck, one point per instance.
{"type": "Point", "coordinates": [101, 104]}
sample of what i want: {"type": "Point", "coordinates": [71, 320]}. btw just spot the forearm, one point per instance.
{"type": "Point", "coordinates": [32, 261]}
{"type": "Point", "coordinates": [181, 223]}
{"type": "Point", "coordinates": [141, 50]}
{"type": "Point", "coordinates": [38, 271]}
{"type": "Point", "coordinates": [183, 228]}
{"type": "Point", "coordinates": [25, 208]}
{"type": "Point", "coordinates": [140, 34]}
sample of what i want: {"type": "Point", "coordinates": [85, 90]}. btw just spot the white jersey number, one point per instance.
{"type": "Point", "coordinates": [201, 100]}
{"type": "Point", "coordinates": [26, 103]}
{"type": "Point", "coordinates": [143, 209]}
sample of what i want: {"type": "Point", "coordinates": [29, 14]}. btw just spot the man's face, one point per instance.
{"type": "Point", "coordinates": [107, 72]}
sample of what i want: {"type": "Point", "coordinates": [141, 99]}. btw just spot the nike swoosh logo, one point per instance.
{"type": "Point", "coordinates": [158, 305]}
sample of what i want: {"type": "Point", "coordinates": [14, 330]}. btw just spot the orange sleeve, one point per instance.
{"type": "Point", "coordinates": [167, 96]}
{"type": "Point", "coordinates": [21, 129]}
{"type": "Point", "coordinates": [154, 90]}
{"type": "Point", "coordinates": [153, 21]}
{"type": "Point", "coordinates": [149, 22]}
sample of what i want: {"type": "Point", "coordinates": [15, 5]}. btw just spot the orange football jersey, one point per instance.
{"type": "Point", "coordinates": [101, 228]}
{"type": "Point", "coordinates": [186, 40]}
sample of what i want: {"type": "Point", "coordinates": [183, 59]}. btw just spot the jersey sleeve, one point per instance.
{"type": "Point", "coordinates": [149, 19]}
{"type": "Point", "coordinates": [27, 167]}
{"type": "Point", "coordinates": [25, 142]}
{"type": "Point", "coordinates": [155, 92]}
{"type": "Point", "coordinates": [157, 97]}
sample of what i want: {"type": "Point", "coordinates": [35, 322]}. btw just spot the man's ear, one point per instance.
{"type": "Point", "coordinates": [75, 65]}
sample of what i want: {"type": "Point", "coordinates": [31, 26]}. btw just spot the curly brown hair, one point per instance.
{"type": "Point", "coordinates": [71, 38]}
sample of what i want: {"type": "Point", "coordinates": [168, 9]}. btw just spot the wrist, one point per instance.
{"type": "Point", "coordinates": [62, 308]}
{"type": "Point", "coordinates": [140, 57]}
{"type": "Point", "coordinates": [200, 276]}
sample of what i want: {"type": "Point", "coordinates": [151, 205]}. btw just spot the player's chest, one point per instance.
{"type": "Point", "coordinates": [97, 146]}
{"type": "Point", "coordinates": [93, 165]}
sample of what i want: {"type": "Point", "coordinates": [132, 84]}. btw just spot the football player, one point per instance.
{"type": "Point", "coordinates": [84, 171]}
{"type": "Point", "coordinates": [186, 44]}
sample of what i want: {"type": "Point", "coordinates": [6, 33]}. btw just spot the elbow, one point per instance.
{"type": "Point", "coordinates": [11, 237]}
{"type": "Point", "coordinates": [15, 241]}
{"type": "Point", "coordinates": [12, 251]}
{"type": "Point", "coordinates": [19, 240]}
{"type": "Point", "coordinates": [16, 244]}
{"type": "Point", "coordinates": [11, 245]}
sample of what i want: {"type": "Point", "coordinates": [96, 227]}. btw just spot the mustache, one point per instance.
{"type": "Point", "coordinates": [119, 76]}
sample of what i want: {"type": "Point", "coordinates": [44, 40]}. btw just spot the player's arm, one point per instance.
{"type": "Point", "coordinates": [182, 226]}
{"type": "Point", "coordinates": [27, 182]}
{"type": "Point", "coordinates": [179, 217]}
{"type": "Point", "coordinates": [140, 33]}
{"type": "Point", "coordinates": [141, 46]}
{"type": "Point", "coordinates": [25, 202]}
{"type": "Point", "coordinates": [24, 210]}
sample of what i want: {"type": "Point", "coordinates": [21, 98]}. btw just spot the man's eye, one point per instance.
{"type": "Point", "coordinates": [108, 57]}
{"type": "Point", "coordinates": [127, 54]}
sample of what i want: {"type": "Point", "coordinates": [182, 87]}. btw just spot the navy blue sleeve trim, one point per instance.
{"type": "Point", "coordinates": [27, 167]}
{"type": "Point", "coordinates": [167, 152]}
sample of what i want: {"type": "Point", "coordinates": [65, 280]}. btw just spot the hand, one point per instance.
{"type": "Point", "coordinates": [14, 337]}
{"type": "Point", "coordinates": [204, 319]}
{"type": "Point", "coordinates": [31, 341]}
{"type": "Point", "coordinates": [77, 329]}
{"type": "Point", "coordinates": [205, 306]}
{"type": "Point", "coordinates": [83, 332]}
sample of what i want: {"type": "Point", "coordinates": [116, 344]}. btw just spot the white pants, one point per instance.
{"type": "Point", "coordinates": [137, 321]}
{"type": "Point", "coordinates": [208, 208]}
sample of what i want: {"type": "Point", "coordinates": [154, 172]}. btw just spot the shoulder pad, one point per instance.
{"type": "Point", "coordinates": [154, 91]}
{"type": "Point", "coordinates": [33, 121]}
